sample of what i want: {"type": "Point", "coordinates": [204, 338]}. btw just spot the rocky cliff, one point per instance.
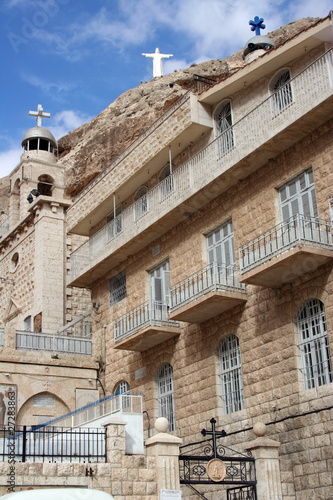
{"type": "Point", "coordinates": [91, 148]}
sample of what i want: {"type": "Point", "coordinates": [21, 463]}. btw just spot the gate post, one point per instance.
{"type": "Point", "coordinates": [165, 448]}
{"type": "Point", "coordinates": [266, 454]}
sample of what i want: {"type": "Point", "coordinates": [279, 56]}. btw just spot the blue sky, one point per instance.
{"type": "Point", "coordinates": [76, 56]}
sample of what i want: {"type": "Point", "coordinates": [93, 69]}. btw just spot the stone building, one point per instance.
{"type": "Point", "coordinates": [209, 253]}
{"type": "Point", "coordinates": [46, 349]}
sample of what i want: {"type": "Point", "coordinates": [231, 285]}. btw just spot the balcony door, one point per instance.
{"type": "Point", "coordinates": [160, 291]}
{"type": "Point", "coordinates": [221, 253]}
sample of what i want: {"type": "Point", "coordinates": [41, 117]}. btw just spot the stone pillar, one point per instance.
{"type": "Point", "coordinates": [115, 440]}
{"type": "Point", "coordinates": [266, 454]}
{"type": "Point", "coordinates": [165, 448]}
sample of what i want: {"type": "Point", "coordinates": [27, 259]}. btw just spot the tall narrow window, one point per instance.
{"type": "Point", "coordinates": [166, 404]}
{"type": "Point", "coordinates": [299, 197]}
{"type": "Point", "coordinates": [223, 118]}
{"type": "Point", "coordinates": [166, 182]}
{"type": "Point", "coordinates": [117, 288]}
{"type": "Point", "coordinates": [160, 291]}
{"type": "Point", "coordinates": [311, 323]}
{"type": "Point", "coordinates": [141, 205]}
{"type": "Point", "coordinates": [231, 374]}
{"type": "Point", "coordinates": [220, 245]}
{"type": "Point", "coordinates": [280, 87]}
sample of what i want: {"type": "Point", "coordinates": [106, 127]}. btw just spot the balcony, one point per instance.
{"type": "Point", "coordinates": [211, 291]}
{"type": "Point", "coordinates": [243, 148]}
{"type": "Point", "coordinates": [286, 252]}
{"type": "Point", "coordinates": [31, 341]}
{"type": "Point", "coordinates": [144, 327]}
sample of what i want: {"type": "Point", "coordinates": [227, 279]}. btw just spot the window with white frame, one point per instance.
{"type": "Point", "coordinates": [280, 88]}
{"type": "Point", "coordinates": [231, 374]}
{"type": "Point", "coordinates": [114, 223]}
{"type": "Point", "coordinates": [166, 403]}
{"type": "Point", "coordinates": [299, 197]}
{"type": "Point", "coordinates": [313, 340]}
{"type": "Point", "coordinates": [223, 120]}
{"type": "Point", "coordinates": [141, 202]}
{"type": "Point", "coordinates": [122, 388]}
{"type": "Point", "coordinates": [27, 324]}
{"type": "Point", "coordinates": [159, 278]}
{"type": "Point", "coordinates": [117, 288]}
{"type": "Point", "coordinates": [166, 182]}
{"type": "Point", "coordinates": [221, 248]}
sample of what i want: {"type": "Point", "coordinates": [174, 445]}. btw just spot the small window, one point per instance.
{"type": "Point", "coordinates": [27, 324]}
{"type": "Point", "coordinates": [117, 287]}
{"type": "Point", "coordinates": [281, 91]}
{"type": "Point", "coordinates": [316, 360]}
{"type": "Point", "coordinates": [45, 185]}
{"type": "Point", "coordinates": [223, 120]}
{"type": "Point", "coordinates": [141, 202]}
{"type": "Point", "coordinates": [14, 261]}
{"type": "Point", "coordinates": [166, 403]}
{"type": "Point", "coordinates": [231, 374]}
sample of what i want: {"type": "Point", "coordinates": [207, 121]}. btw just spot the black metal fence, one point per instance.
{"type": "Point", "coordinates": [202, 83]}
{"type": "Point", "coordinates": [52, 444]}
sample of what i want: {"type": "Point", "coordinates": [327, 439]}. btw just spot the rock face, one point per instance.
{"type": "Point", "coordinates": [91, 148]}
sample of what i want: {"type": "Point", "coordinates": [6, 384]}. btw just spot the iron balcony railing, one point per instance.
{"type": "Point", "coordinates": [295, 231]}
{"type": "Point", "coordinates": [149, 313]}
{"type": "Point", "coordinates": [211, 278]}
{"type": "Point", "coordinates": [56, 444]}
{"type": "Point", "coordinates": [55, 343]}
{"type": "Point", "coordinates": [309, 88]}
{"type": "Point", "coordinates": [2, 336]}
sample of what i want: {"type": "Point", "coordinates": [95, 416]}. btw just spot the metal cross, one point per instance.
{"type": "Point", "coordinates": [39, 115]}
{"type": "Point", "coordinates": [214, 433]}
{"type": "Point", "coordinates": [257, 25]}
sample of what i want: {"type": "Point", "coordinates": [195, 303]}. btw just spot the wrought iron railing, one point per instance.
{"type": "Point", "coordinates": [149, 313]}
{"type": "Point", "coordinates": [310, 87]}
{"type": "Point", "coordinates": [56, 444]}
{"type": "Point", "coordinates": [55, 343]}
{"type": "Point", "coordinates": [295, 231]}
{"type": "Point", "coordinates": [212, 277]}
{"type": "Point", "coordinates": [202, 83]}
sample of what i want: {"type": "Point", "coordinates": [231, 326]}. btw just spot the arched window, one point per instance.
{"type": "Point", "coordinates": [166, 182]}
{"type": "Point", "coordinates": [166, 404]}
{"type": "Point", "coordinates": [45, 185]}
{"type": "Point", "coordinates": [280, 87]}
{"type": "Point", "coordinates": [122, 402]}
{"type": "Point", "coordinates": [231, 374]}
{"type": "Point", "coordinates": [223, 120]}
{"type": "Point", "coordinates": [311, 323]}
{"type": "Point", "coordinates": [140, 198]}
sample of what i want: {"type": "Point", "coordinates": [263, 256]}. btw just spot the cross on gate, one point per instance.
{"type": "Point", "coordinates": [214, 433]}
{"type": "Point", "coordinates": [39, 115]}
{"type": "Point", "coordinates": [257, 25]}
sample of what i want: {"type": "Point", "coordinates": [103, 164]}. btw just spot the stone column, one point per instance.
{"type": "Point", "coordinates": [115, 440]}
{"type": "Point", "coordinates": [165, 448]}
{"type": "Point", "coordinates": [266, 454]}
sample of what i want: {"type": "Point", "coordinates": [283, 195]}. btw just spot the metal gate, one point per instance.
{"type": "Point", "coordinates": [209, 462]}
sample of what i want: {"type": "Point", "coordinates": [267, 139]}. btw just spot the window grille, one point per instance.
{"type": "Point", "coordinates": [223, 119]}
{"type": "Point", "coordinates": [166, 407]}
{"type": "Point", "coordinates": [299, 197]}
{"type": "Point", "coordinates": [281, 90]}
{"type": "Point", "coordinates": [122, 388]}
{"type": "Point", "coordinates": [117, 287]}
{"type": "Point", "coordinates": [231, 374]}
{"type": "Point", "coordinates": [311, 323]}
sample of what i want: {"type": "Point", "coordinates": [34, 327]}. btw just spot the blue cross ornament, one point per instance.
{"type": "Point", "coordinates": [257, 25]}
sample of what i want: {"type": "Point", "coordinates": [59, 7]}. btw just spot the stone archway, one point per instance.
{"type": "Point", "coordinates": [41, 408]}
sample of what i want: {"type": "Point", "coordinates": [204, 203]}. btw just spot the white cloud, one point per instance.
{"type": "Point", "coordinates": [66, 121]}
{"type": "Point", "coordinates": [9, 159]}
{"type": "Point", "coordinates": [49, 87]}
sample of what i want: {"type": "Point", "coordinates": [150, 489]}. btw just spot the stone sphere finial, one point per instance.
{"type": "Point", "coordinates": [162, 424]}
{"type": "Point", "coordinates": [259, 429]}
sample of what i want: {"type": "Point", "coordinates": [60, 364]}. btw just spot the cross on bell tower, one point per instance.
{"type": "Point", "coordinates": [39, 115]}
{"type": "Point", "coordinates": [257, 24]}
